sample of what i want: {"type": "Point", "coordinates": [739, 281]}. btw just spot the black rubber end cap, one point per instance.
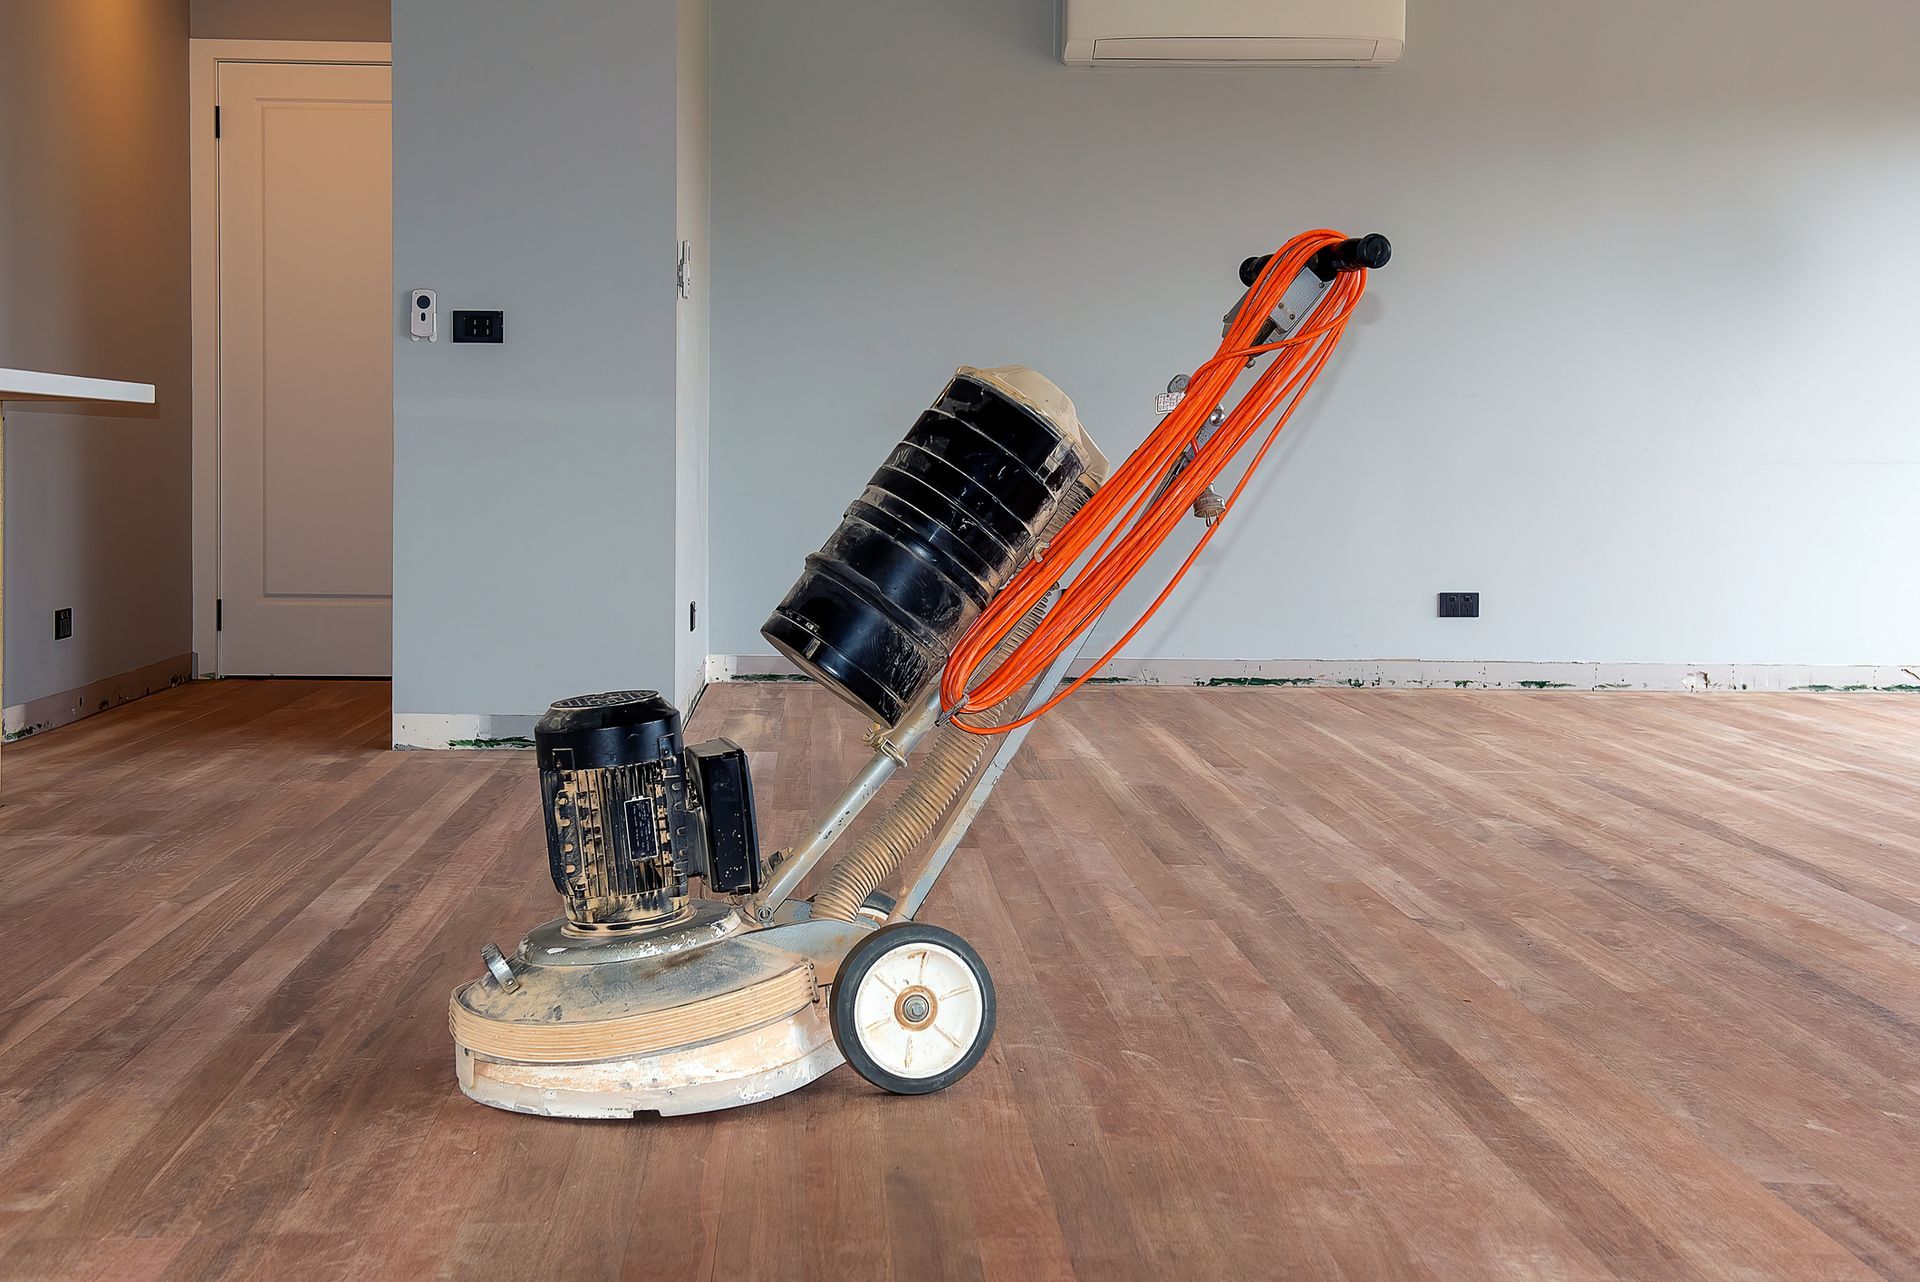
{"type": "Point", "coordinates": [1372, 251]}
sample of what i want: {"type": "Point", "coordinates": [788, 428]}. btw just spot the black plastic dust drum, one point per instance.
{"type": "Point", "coordinates": [954, 510]}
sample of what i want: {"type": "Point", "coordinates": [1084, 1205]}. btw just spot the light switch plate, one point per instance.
{"type": "Point", "coordinates": [478, 327]}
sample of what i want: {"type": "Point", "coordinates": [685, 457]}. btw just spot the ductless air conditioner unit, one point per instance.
{"type": "Point", "coordinates": [1232, 33]}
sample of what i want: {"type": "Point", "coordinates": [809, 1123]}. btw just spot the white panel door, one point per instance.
{"type": "Point", "coordinates": [306, 370]}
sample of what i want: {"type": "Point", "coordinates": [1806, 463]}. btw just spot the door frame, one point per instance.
{"type": "Point", "coordinates": [204, 59]}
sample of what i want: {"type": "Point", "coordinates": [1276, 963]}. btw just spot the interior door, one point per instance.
{"type": "Point", "coordinates": [306, 370]}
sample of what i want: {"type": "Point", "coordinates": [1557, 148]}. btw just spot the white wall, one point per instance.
{"type": "Point", "coordinates": [535, 482]}
{"type": "Point", "coordinates": [93, 281]}
{"type": "Point", "coordinates": [1640, 372]}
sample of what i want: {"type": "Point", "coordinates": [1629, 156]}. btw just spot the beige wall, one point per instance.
{"type": "Point", "coordinates": [291, 20]}
{"type": "Point", "coordinates": [93, 281]}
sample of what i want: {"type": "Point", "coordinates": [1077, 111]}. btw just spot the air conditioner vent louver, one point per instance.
{"type": "Point", "coordinates": [1233, 33]}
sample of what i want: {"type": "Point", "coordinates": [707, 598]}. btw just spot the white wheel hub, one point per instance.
{"type": "Point", "coordinates": [918, 1010]}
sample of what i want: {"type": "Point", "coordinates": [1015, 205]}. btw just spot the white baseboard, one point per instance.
{"type": "Point", "coordinates": [1441, 674]}
{"type": "Point", "coordinates": [690, 697]}
{"type": "Point", "coordinates": [463, 730]}
{"type": "Point", "coordinates": [750, 667]}
{"type": "Point", "coordinates": [466, 730]}
{"type": "Point", "coordinates": [490, 730]}
{"type": "Point", "coordinates": [50, 712]}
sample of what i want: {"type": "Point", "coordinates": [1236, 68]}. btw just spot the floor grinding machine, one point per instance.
{"type": "Point", "coordinates": [687, 973]}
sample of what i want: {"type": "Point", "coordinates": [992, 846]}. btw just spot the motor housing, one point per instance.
{"type": "Point", "coordinates": [631, 816]}
{"type": "Point", "coordinates": [723, 798]}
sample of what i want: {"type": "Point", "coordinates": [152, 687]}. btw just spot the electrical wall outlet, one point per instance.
{"type": "Point", "coordinates": [1459, 605]}
{"type": "Point", "coordinates": [62, 624]}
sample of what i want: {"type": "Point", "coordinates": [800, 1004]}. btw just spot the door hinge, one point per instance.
{"type": "Point", "coordinates": [683, 270]}
{"type": "Point", "coordinates": [216, 120]}
{"type": "Point", "coordinates": [218, 611]}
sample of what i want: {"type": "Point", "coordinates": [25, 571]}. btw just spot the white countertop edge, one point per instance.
{"type": "Point", "coordinates": [34, 385]}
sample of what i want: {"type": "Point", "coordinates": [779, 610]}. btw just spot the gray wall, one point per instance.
{"type": "Point", "coordinates": [93, 281]}
{"type": "Point", "coordinates": [290, 20]}
{"type": "Point", "coordinates": [692, 359]}
{"type": "Point", "coordinates": [534, 482]}
{"type": "Point", "coordinates": [1640, 372]}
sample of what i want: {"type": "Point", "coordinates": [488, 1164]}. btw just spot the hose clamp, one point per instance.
{"type": "Point", "coordinates": [878, 739]}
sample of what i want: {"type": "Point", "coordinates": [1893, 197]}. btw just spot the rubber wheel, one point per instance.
{"type": "Point", "coordinates": [913, 1008]}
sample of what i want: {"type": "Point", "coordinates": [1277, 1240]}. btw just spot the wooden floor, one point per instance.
{"type": "Point", "coordinates": [1346, 984]}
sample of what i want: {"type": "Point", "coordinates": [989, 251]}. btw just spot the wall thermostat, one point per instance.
{"type": "Point", "coordinates": [424, 315]}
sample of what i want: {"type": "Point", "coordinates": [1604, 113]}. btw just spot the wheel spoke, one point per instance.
{"type": "Point", "coordinates": [949, 1036]}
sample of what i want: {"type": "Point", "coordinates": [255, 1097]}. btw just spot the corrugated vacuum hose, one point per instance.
{"type": "Point", "coordinates": [940, 776]}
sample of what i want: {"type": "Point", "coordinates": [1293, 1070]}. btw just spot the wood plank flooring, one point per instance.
{"type": "Point", "coordinates": [1303, 984]}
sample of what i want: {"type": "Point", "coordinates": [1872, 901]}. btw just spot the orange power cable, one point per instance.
{"type": "Point", "coordinates": [1130, 516]}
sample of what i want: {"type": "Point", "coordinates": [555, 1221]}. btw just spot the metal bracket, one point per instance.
{"type": "Point", "coordinates": [825, 942]}
{"type": "Point", "coordinates": [498, 968]}
{"type": "Point", "coordinates": [1299, 299]}
{"type": "Point", "coordinates": [880, 740]}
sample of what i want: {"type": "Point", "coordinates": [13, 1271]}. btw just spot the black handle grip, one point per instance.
{"type": "Point", "coordinates": [1360, 253]}
{"type": "Point", "coordinates": [1368, 252]}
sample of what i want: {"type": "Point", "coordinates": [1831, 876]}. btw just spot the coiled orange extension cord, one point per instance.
{"type": "Point", "coordinates": [1124, 515]}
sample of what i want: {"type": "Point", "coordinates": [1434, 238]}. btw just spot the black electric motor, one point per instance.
{"type": "Point", "coordinates": [955, 509]}
{"type": "Point", "coordinates": [631, 816]}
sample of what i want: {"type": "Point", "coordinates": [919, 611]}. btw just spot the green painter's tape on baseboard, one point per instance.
{"type": "Point", "coordinates": [1251, 681]}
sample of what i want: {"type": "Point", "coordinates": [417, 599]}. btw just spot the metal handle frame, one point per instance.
{"type": "Point", "coordinates": [893, 746]}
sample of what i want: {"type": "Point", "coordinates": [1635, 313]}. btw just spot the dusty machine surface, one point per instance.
{"type": "Point", "coordinates": [685, 974]}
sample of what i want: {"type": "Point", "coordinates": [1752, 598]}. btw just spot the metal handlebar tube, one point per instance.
{"type": "Point", "coordinates": [1302, 294]}
{"type": "Point", "coordinates": [890, 752]}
